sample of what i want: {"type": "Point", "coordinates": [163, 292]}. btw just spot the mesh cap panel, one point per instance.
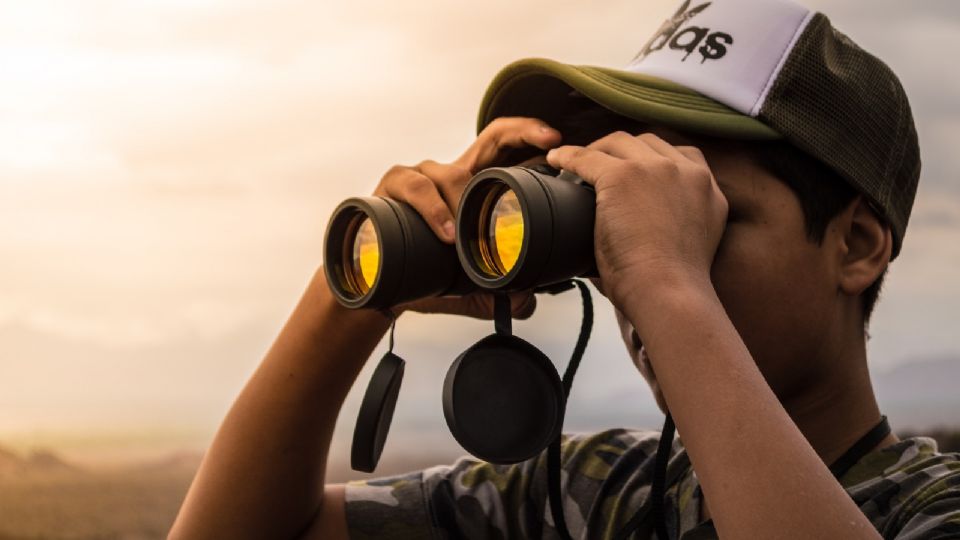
{"type": "Point", "coordinates": [845, 107]}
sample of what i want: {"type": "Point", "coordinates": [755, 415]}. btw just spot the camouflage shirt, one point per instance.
{"type": "Point", "coordinates": [907, 490]}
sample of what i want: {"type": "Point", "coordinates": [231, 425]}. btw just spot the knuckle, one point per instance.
{"type": "Point", "coordinates": [393, 173]}
{"type": "Point", "coordinates": [460, 173]}
{"type": "Point", "coordinates": [702, 174]}
{"type": "Point", "coordinates": [628, 169]}
{"type": "Point", "coordinates": [497, 122]}
{"type": "Point", "coordinates": [418, 185]}
{"type": "Point", "coordinates": [702, 179]}
{"type": "Point", "coordinates": [425, 164]}
{"type": "Point", "coordinates": [456, 179]}
{"type": "Point", "coordinates": [391, 181]}
{"type": "Point", "coordinates": [576, 153]}
{"type": "Point", "coordinates": [397, 170]}
{"type": "Point", "coordinates": [669, 167]}
{"type": "Point", "coordinates": [497, 126]}
{"type": "Point", "coordinates": [602, 141]}
{"type": "Point", "coordinates": [692, 151]}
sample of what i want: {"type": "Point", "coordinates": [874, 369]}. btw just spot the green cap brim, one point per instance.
{"type": "Point", "coordinates": [541, 88]}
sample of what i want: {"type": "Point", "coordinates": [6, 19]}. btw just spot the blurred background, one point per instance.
{"type": "Point", "coordinates": [166, 172]}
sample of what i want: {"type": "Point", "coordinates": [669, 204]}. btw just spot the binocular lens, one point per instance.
{"type": "Point", "coordinates": [366, 256]}
{"type": "Point", "coordinates": [503, 227]}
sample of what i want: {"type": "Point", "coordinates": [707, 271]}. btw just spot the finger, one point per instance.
{"type": "Point", "coordinates": [476, 305]}
{"type": "Point", "coordinates": [507, 132]}
{"type": "Point", "coordinates": [646, 146]}
{"type": "Point", "coordinates": [452, 305]}
{"type": "Point", "coordinates": [662, 147]}
{"type": "Point", "coordinates": [623, 145]}
{"type": "Point", "coordinates": [523, 304]}
{"type": "Point", "coordinates": [587, 163]}
{"type": "Point", "coordinates": [416, 189]}
{"type": "Point", "coordinates": [693, 153]}
{"type": "Point", "coordinates": [449, 179]}
{"type": "Point", "coordinates": [597, 284]}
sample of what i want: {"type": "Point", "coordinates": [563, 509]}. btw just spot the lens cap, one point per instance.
{"type": "Point", "coordinates": [503, 400]}
{"type": "Point", "coordinates": [376, 412]}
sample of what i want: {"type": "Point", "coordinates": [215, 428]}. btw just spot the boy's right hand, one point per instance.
{"type": "Point", "coordinates": [433, 189]}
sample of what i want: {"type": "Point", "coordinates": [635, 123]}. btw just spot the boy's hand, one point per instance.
{"type": "Point", "coordinates": [434, 190]}
{"type": "Point", "coordinates": [660, 214]}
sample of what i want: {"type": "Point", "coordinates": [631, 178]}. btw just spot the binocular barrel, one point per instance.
{"type": "Point", "coordinates": [379, 252]}
{"type": "Point", "coordinates": [518, 228]}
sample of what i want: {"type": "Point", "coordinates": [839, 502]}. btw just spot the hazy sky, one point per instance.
{"type": "Point", "coordinates": [167, 169]}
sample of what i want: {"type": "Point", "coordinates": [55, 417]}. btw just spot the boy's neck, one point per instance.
{"type": "Point", "coordinates": [837, 412]}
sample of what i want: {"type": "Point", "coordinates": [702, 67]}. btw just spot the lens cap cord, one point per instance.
{"type": "Point", "coordinates": [376, 409]}
{"type": "Point", "coordinates": [553, 450]}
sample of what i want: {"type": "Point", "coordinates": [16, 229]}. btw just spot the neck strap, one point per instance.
{"type": "Point", "coordinates": [862, 447]}
{"type": "Point", "coordinates": [840, 467]}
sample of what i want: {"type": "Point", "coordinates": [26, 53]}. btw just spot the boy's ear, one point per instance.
{"type": "Point", "coordinates": [866, 244]}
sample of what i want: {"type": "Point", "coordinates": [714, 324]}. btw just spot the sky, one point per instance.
{"type": "Point", "coordinates": [167, 169]}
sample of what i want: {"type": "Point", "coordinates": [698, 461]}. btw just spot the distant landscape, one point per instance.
{"type": "Point", "coordinates": [47, 494]}
{"type": "Point", "coordinates": [44, 497]}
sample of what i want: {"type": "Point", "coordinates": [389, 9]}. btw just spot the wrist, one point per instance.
{"type": "Point", "coordinates": [326, 311]}
{"type": "Point", "coordinates": [666, 296]}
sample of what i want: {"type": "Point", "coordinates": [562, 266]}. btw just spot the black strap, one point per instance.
{"type": "Point", "coordinates": [586, 326]}
{"type": "Point", "coordinates": [675, 469]}
{"type": "Point", "coordinates": [659, 489]}
{"type": "Point", "coordinates": [553, 450]}
{"type": "Point", "coordinates": [862, 447]}
{"type": "Point", "coordinates": [393, 326]}
{"type": "Point", "coordinates": [502, 314]}
{"type": "Point", "coordinates": [553, 490]}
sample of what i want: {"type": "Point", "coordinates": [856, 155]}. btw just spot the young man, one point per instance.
{"type": "Point", "coordinates": [741, 238]}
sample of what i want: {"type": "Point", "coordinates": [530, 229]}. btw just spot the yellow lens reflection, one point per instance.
{"type": "Point", "coordinates": [366, 255]}
{"type": "Point", "coordinates": [505, 234]}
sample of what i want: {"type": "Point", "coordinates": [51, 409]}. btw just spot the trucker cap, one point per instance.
{"type": "Point", "coordinates": [749, 70]}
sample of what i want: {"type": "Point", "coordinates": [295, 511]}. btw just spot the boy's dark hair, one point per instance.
{"type": "Point", "coordinates": [822, 193]}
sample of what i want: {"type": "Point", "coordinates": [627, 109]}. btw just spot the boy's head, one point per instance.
{"type": "Point", "coordinates": [810, 138]}
{"type": "Point", "coordinates": [801, 260]}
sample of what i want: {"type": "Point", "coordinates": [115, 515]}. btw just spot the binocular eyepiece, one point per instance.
{"type": "Point", "coordinates": [517, 228]}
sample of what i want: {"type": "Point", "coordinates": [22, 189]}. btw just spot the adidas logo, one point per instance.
{"type": "Point", "coordinates": [710, 45]}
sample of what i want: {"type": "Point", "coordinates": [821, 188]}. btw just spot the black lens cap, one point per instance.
{"type": "Point", "coordinates": [503, 400]}
{"type": "Point", "coordinates": [376, 412]}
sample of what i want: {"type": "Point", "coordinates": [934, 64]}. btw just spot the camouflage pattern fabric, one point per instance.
{"type": "Point", "coordinates": [907, 490]}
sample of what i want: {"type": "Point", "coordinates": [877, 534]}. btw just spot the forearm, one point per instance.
{"type": "Point", "coordinates": [761, 477]}
{"type": "Point", "coordinates": [263, 475]}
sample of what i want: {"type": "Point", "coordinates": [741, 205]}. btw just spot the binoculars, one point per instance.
{"type": "Point", "coordinates": [517, 228]}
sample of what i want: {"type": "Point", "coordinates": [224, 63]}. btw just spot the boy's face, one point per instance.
{"type": "Point", "coordinates": [777, 286]}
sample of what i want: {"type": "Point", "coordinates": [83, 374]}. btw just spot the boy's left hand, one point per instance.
{"type": "Point", "coordinates": [660, 213]}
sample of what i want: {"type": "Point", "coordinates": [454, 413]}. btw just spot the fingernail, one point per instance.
{"type": "Point", "coordinates": [551, 153]}
{"type": "Point", "coordinates": [448, 229]}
